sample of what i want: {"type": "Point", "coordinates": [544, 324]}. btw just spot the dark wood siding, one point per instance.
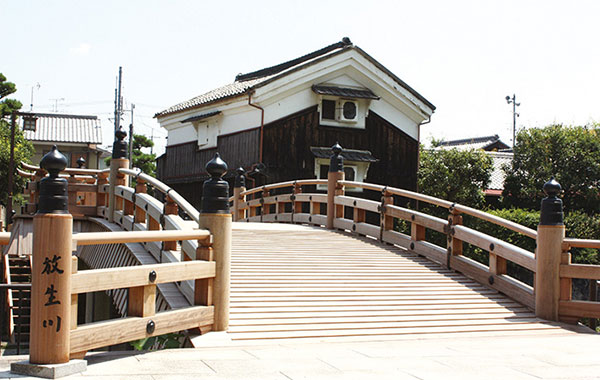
{"type": "Point", "coordinates": [182, 165]}
{"type": "Point", "coordinates": [287, 145]}
{"type": "Point", "coordinates": [287, 154]}
{"type": "Point", "coordinates": [185, 162]}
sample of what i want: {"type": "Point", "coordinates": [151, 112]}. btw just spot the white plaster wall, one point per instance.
{"type": "Point", "coordinates": [293, 93]}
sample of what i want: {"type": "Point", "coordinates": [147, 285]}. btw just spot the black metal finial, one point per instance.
{"type": "Point", "coordinates": [53, 190]}
{"type": "Point", "coordinates": [240, 178]}
{"type": "Point", "coordinates": [551, 211]}
{"type": "Point", "coordinates": [215, 191]}
{"type": "Point", "coordinates": [120, 145]}
{"type": "Point", "coordinates": [336, 162]}
{"type": "Point", "coordinates": [80, 162]}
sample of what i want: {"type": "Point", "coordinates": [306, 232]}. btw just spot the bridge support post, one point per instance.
{"type": "Point", "coordinates": [49, 351]}
{"type": "Point", "coordinates": [335, 174]}
{"type": "Point", "coordinates": [215, 216]}
{"type": "Point", "coordinates": [119, 160]}
{"type": "Point", "coordinates": [239, 187]}
{"type": "Point", "coordinates": [551, 233]}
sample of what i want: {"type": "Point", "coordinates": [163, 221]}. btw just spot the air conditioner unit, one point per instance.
{"type": "Point", "coordinates": [348, 111]}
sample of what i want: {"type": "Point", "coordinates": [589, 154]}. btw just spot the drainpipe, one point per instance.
{"type": "Point", "coordinates": [419, 153]}
{"type": "Point", "coordinates": [262, 124]}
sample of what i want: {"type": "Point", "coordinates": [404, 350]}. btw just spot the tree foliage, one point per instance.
{"type": "Point", "coordinates": [144, 161]}
{"type": "Point", "coordinates": [456, 175]}
{"type": "Point", "coordinates": [570, 154]}
{"type": "Point", "coordinates": [23, 148]}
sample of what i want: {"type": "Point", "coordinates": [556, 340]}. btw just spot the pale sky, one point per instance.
{"type": "Point", "coordinates": [463, 56]}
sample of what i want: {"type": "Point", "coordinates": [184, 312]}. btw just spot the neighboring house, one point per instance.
{"type": "Point", "coordinates": [487, 143]}
{"type": "Point", "coordinates": [75, 136]}
{"type": "Point", "coordinates": [284, 119]}
{"type": "Point", "coordinates": [496, 185]}
{"type": "Point", "coordinates": [500, 153]}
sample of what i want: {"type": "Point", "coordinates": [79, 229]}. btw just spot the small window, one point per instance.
{"type": "Point", "coordinates": [349, 173]}
{"type": "Point", "coordinates": [324, 169]}
{"type": "Point", "coordinates": [328, 109]}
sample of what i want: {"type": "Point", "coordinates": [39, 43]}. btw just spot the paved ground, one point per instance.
{"type": "Point", "coordinates": [510, 357]}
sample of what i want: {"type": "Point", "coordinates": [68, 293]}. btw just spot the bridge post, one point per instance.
{"type": "Point", "coordinates": [51, 313]}
{"type": "Point", "coordinates": [119, 160]}
{"type": "Point", "coordinates": [335, 174]}
{"type": "Point", "coordinates": [454, 246]}
{"type": "Point", "coordinates": [551, 233]}
{"type": "Point", "coordinates": [216, 217]}
{"type": "Point", "coordinates": [239, 187]}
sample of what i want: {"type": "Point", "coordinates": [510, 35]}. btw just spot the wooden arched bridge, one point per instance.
{"type": "Point", "coordinates": [298, 262]}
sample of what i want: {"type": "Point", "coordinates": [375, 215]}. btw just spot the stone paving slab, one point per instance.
{"type": "Point", "coordinates": [570, 356]}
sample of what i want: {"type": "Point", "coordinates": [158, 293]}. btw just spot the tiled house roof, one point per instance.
{"type": "Point", "coordinates": [246, 82]}
{"type": "Point", "coordinates": [485, 143]}
{"type": "Point", "coordinates": [65, 128]}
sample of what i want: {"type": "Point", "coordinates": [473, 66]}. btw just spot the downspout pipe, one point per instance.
{"type": "Point", "coordinates": [262, 124]}
{"type": "Point", "coordinates": [419, 153]}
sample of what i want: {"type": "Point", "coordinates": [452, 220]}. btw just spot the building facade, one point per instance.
{"type": "Point", "coordinates": [278, 123]}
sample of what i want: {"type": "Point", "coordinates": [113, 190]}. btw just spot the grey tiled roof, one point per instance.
{"type": "Point", "coordinates": [65, 128]}
{"type": "Point", "coordinates": [348, 154]}
{"type": "Point", "coordinates": [245, 82]}
{"type": "Point", "coordinates": [200, 117]}
{"type": "Point", "coordinates": [473, 143]}
{"type": "Point", "coordinates": [229, 90]}
{"type": "Point", "coordinates": [344, 91]}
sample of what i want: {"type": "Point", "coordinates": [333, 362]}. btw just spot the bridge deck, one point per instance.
{"type": "Point", "coordinates": [291, 281]}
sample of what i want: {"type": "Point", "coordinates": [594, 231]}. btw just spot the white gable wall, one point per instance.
{"type": "Point", "coordinates": [293, 93]}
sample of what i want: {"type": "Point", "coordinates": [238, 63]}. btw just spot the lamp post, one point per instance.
{"type": "Point", "coordinates": [513, 100]}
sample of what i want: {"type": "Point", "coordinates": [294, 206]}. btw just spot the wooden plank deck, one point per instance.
{"type": "Point", "coordinates": [291, 281]}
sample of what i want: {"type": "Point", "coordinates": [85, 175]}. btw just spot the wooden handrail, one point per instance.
{"type": "Point", "coordinates": [300, 182]}
{"type": "Point", "coordinates": [70, 171]}
{"type": "Point", "coordinates": [584, 271]}
{"type": "Point", "coordinates": [181, 202]}
{"type": "Point", "coordinates": [580, 243]}
{"type": "Point", "coordinates": [94, 280]}
{"type": "Point", "coordinates": [25, 174]}
{"type": "Point", "coordinates": [90, 238]}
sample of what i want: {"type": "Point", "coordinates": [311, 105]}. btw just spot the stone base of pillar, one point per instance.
{"type": "Point", "coordinates": [49, 371]}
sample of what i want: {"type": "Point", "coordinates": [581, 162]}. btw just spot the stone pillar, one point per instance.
{"type": "Point", "coordinates": [551, 233]}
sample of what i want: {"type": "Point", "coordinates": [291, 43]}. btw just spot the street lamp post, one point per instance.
{"type": "Point", "coordinates": [513, 100]}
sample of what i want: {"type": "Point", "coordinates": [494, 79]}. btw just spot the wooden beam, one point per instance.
{"type": "Point", "coordinates": [585, 271]}
{"type": "Point", "coordinates": [580, 309]}
{"type": "Point", "coordinates": [516, 290]}
{"type": "Point", "coordinates": [126, 277]}
{"type": "Point", "coordinates": [91, 238]}
{"type": "Point", "coordinates": [102, 334]}
{"type": "Point", "coordinates": [142, 301]}
{"type": "Point", "coordinates": [500, 248]}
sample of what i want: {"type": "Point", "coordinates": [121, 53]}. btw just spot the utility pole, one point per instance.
{"type": "Point", "coordinates": [118, 101]}
{"type": "Point", "coordinates": [11, 165]}
{"type": "Point", "coordinates": [31, 104]}
{"type": "Point", "coordinates": [513, 100]}
{"type": "Point", "coordinates": [131, 138]}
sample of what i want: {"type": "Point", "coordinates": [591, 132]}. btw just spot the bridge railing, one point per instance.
{"type": "Point", "coordinates": [202, 263]}
{"type": "Point", "coordinates": [550, 295]}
